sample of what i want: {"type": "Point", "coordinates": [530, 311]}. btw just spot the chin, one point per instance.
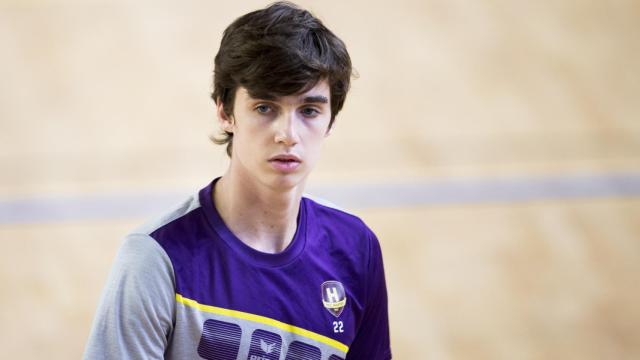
{"type": "Point", "coordinates": [285, 182]}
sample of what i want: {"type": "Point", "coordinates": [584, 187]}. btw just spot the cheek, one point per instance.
{"type": "Point", "coordinates": [317, 129]}
{"type": "Point", "coordinates": [248, 133]}
{"type": "Point", "coordinates": [314, 142]}
{"type": "Point", "coordinates": [242, 142]}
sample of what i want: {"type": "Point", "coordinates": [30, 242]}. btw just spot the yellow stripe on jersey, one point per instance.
{"type": "Point", "coordinates": [263, 320]}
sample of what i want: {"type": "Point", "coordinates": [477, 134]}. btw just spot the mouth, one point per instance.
{"type": "Point", "coordinates": [285, 158]}
{"type": "Point", "coordinates": [285, 163]}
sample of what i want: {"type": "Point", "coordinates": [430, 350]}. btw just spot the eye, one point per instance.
{"type": "Point", "coordinates": [263, 108]}
{"type": "Point", "coordinates": [310, 112]}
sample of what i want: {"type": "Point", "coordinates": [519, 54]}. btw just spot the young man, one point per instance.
{"type": "Point", "coordinates": [248, 268]}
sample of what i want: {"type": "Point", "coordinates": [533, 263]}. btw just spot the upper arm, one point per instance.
{"type": "Point", "coordinates": [372, 340]}
{"type": "Point", "coordinates": [135, 315]}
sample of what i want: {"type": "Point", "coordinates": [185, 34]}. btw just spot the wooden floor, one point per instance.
{"type": "Point", "coordinates": [112, 98]}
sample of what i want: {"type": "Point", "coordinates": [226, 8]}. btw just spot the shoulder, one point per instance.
{"type": "Point", "coordinates": [328, 214]}
{"type": "Point", "coordinates": [175, 213]}
{"type": "Point", "coordinates": [340, 229]}
{"type": "Point", "coordinates": [142, 250]}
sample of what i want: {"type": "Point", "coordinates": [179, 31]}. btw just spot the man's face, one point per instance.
{"type": "Point", "coordinates": [277, 141]}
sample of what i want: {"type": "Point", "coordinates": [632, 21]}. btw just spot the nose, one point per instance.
{"type": "Point", "coordinates": [285, 129]}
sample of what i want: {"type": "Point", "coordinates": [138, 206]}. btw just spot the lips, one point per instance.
{"type": "Point", "coordinates": [285, 163]}
{"type": "Point", "coordinates": [286, 158]}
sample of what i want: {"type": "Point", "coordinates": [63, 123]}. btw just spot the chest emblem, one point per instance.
{"type": "Point", "coordinates": [333, 297]}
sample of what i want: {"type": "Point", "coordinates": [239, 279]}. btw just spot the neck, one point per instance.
{"type": "Point", "coordinates": [262, 217]}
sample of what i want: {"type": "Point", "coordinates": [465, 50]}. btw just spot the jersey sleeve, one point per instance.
{"type": "Point", "coordinates": [372, 340]}
{"type": "Point", "coordinates": [135, 316]}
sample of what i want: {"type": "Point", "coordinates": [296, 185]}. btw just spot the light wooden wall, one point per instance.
{"type": "Point", "coordinates": [111, 97]}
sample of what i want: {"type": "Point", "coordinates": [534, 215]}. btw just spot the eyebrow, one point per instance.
{"type": "Point", "coordinates": [316, 99]}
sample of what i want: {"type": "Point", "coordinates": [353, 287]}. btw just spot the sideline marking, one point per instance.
{"type": "Point", "coordinates": [428, 193]}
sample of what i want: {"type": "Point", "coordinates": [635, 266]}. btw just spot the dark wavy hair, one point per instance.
{"type": "Point", "coordinates": [278, 51]}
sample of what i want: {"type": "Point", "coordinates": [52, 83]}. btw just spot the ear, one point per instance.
{"type": "Point", "coordinates": [226, 122]}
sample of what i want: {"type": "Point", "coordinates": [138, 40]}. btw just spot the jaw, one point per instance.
{"type": "Point", "coordinates": [286, 182]}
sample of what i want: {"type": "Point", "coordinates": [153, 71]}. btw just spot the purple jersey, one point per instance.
{"type": "Point", "coordinates": [323, 297]}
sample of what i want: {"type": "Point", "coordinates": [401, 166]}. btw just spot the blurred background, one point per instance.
{"type": "Point", "coordinates": [493, 146]}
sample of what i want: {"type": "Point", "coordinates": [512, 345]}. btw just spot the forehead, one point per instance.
{"type": "Point", "coordinates": [320, 92]}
